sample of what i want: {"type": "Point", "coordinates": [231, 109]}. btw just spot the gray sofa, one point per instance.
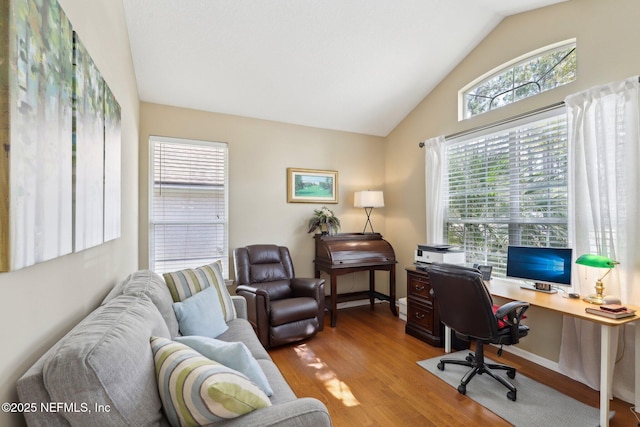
{"type": "Point", "coordinates": [102, 372]}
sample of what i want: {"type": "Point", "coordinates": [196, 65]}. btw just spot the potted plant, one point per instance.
{"type": "Point", "coordinates": [324, 220]}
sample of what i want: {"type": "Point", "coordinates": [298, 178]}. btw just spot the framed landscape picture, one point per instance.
{"type": "Point", "coordinates": [312, 186]}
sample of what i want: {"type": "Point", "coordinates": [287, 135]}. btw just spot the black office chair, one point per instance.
{"type": "Point", "coordinates": [466, 307]}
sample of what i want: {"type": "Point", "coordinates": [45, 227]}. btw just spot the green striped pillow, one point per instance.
{"type": "Point", "coordinates": [184, 283]}
{"type": "Point", "coordinates": [197, 391]}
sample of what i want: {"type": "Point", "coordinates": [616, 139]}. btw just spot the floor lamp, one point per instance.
{"type": "Point", "coordinates": [368, 200]}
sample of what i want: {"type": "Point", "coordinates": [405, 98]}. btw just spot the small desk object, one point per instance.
{"type": "Point", "coordinates": [574, 308]}
{"type": "Point", "coordinates": [345, 253]}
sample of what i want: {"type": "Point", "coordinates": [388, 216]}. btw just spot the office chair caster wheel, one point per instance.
{"type": "Point", "coordinates": [469, 358]}
{"type": "Point", "coordinates": [511, 373]}
{"type": "Point", "coordinates": [511, 395]}
{"type": "Point", "coordinates": [462, 389]}
{"type": "Point", "coordinates": [441, 366]}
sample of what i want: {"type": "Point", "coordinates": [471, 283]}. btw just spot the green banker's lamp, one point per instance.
{"type": "Point", "coordinates": [597, 261]}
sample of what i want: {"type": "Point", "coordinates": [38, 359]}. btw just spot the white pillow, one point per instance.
{"type": "Point", "coordinates": [201, 314]}
{"type": "Point", "coordinates": [234, 355]}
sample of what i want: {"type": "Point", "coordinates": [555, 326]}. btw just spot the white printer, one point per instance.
{"type": "Point", "coordinates": [426, 254]}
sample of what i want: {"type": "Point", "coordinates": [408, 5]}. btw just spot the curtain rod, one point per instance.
{"type": "Point", "coordinates": [509, 120]}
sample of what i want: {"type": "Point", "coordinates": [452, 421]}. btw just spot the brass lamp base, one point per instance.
{"type": "Point", "coordinates": [594, 299]}
{"type": "Point", "coordinates": [598, 297]}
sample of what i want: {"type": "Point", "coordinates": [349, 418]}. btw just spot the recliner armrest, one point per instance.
{"type": "Point", "coordinates": [252, 290]}
{"type": "Point", "coordinates": [306, 287]}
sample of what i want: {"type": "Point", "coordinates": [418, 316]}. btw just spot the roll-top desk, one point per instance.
{"type": "Point", "coordinates": [350, 252]}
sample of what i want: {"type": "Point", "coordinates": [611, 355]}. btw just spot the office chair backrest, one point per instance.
{"type": "Point", "coordinates": [464, 302]}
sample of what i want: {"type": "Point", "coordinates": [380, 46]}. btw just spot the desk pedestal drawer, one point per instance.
{"type": "Point", "coordinates": [420, 323]}
{"type": "Point", "coordinates": [423, 319]}
{"type": "Point", "coordinates": [421, 316]}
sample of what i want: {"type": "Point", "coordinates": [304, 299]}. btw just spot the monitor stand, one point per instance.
{"type": "Point", "coordinates": [539, 287]}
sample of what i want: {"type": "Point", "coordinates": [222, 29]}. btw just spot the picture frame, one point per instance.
{"type": "Point", "coordinates": [312, 186]}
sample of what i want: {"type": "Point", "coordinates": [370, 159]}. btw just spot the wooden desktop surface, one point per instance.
{"type": "Point", "coordinates": [556, 302]}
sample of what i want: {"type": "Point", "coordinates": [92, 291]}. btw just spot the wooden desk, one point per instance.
{"type": "Point", "coordinates": [350, 252]}
{"type": "Point", "coordinates": [574, 308]}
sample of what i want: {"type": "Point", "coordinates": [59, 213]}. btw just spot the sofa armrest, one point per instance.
{"type": "Point", "coordinates": [240, 305]}
{"type": "Point", "coordinates": [304, 411]}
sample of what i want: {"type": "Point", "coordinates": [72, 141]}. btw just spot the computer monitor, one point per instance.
{"type": "Point", "coordinates": [545, 267]}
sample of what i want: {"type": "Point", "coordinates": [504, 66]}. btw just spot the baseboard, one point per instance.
{"type": "Point", "coordinates": [531, 357]}
{"type": "Point", "coordinates": [357, 303]}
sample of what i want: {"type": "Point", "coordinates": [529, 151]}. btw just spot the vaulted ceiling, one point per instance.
{"type": "Point", "coordinates": [353, 65]}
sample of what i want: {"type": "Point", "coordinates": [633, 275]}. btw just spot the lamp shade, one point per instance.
{"type": "Point", "coordinates": [597, 261]}
{"type": "Point", "coordinates": [368, 199]}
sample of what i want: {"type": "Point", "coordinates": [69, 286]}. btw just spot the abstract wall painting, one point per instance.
{"type": "Point", "coordinates": [59, 139]}
{"type": "Point", "coordinates": [112, 169]}
{"type": "Point", "coordinates": [37, 189]}
{"type": "Point", "coordinates": [88, 150]}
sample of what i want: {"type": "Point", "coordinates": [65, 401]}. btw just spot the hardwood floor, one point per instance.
{"type": "Point", "coordinates": [365, 372]}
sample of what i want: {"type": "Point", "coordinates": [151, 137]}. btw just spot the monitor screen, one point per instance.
{"type": "Point", "coordinates": [541, 265]}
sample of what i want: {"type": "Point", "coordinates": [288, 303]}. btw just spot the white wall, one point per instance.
{"type": "Point", "coordinates": [607, 34]}
{"type": "Point", "coordinates": [39, 304]}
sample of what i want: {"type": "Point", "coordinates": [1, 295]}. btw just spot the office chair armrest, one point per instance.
{"type": "Point", "coordinates": [512, 312]}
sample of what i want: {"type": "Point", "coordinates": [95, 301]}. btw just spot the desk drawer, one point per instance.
{"type": "Point", "coordinates": [419, 286]}
{"type": "Point", "coordinates": [420, 315]}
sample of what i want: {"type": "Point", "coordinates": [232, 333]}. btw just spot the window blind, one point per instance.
{"type": "Point", "coordinates": [189, 204]}
{"type": "Point", "coordinates": [508, 186]}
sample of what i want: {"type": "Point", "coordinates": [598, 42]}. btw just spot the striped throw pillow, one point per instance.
{"type": "Point", "coordinates": [184, 283]}
{"type": "Point", "coordinates": [197, 391]}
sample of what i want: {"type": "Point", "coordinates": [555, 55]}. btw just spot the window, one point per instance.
{"type": "Point", "coordinates": [508, 186]}
{"type": "Point", "coordinates": [521, 78]}
{"type": "Point", "coordinates": [188, 204]}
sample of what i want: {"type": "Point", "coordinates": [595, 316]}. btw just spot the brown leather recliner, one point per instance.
{"type": "Point", "coordinates": [281, 307]}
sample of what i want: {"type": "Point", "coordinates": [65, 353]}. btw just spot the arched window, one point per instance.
{"type": "Point", "coordinates": [528, 75]}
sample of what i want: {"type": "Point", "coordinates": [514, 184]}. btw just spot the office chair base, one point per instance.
{"type": "Point", "coordinates": [478, 366]}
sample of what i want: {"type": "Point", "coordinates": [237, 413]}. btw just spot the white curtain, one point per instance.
{"type": "Point", "coordinates": [604, 159]}
{"type": "Point", "coordinates": [433, 173]}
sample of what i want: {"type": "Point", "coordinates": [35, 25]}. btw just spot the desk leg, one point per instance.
{"type": "Point", "coordinates": [372, 288]}
{"type": "Point", "coordinates": [392, 290]}
{"type": "Point", "coordinates": [605, 372]}
{"type": "Point", "coordinates": [447, 339]}
{"type": "Point", "coordinates": [334, 299]}
{"type": "Point", "coordinates": [637, 389]}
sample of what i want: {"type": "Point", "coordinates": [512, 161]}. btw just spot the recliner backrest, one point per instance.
{"type": "Point", "coordinates": [464, 301]}
{"type": "Point", "coordinates": [266, 266]}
